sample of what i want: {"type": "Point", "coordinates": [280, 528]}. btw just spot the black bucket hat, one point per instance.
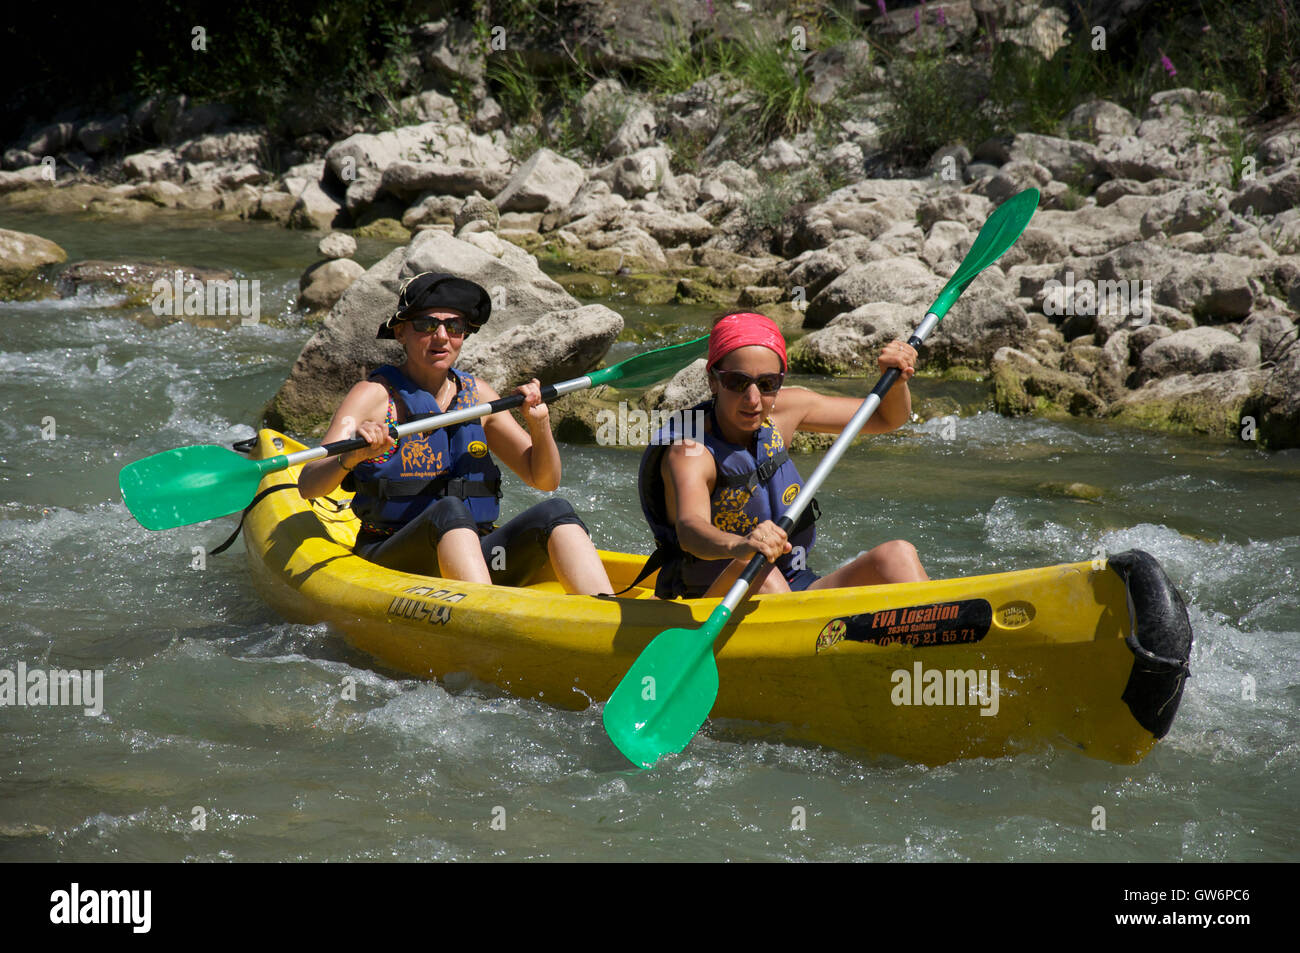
{"type": "Point", "coordinates": [437, 290]}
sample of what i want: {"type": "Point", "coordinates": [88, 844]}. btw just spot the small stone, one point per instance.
{"type": "Point", "coordinates": [337, 245]}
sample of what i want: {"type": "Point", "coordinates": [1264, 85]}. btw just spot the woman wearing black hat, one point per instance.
{"type": "Point", "coordinates": [428, 504]}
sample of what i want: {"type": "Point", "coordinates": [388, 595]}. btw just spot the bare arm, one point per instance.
{"type": "Point", "coordinates": [800, 409]}
{"type": "Point", "coordinates": [689, 476]}
{"type": "Point", "coordinates": [532, 454]}
{"type": "Point", "coordinates": [362, 414]}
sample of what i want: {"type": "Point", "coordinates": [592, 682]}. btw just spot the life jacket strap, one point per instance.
{"type": "Point", "coordinates": [441, 486]}
{"type": "Point", "coordinates": [750, 479]}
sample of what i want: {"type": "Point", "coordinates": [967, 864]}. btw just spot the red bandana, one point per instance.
{"type": "Point", "coordinates": [742, 330]}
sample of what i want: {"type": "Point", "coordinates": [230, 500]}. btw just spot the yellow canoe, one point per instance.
{"type": "Point", "coordinates": [1092, 656]}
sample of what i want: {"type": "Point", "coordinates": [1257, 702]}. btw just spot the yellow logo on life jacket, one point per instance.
{"type": "Point", "coordinates": [478, 448]}
{"type": "Point", "coordinates": [790, 493]}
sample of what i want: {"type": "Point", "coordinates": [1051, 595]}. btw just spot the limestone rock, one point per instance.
{"type": "Point", "coordinates": [323, 283]}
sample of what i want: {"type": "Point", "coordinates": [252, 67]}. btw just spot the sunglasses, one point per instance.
{"type": "Point", "coordinates": [455, 327]}
{"type": "Point", "coordinates": [738, 383]}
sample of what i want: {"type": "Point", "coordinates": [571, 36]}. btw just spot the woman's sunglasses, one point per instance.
{"type": "Point", "coordinates": [738, 383]}
{"type": "Point", "coordinates": [455, 327]}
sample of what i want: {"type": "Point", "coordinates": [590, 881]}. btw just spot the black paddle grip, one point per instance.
{"type": "Point", "coordinates": [515, 400]}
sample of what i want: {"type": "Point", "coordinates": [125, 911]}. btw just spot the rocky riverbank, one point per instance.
{"type": "Point", "coordinates": [1158, 284]}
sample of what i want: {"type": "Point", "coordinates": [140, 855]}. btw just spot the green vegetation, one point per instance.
{"type": "Point", "coordinates": [335, 65]}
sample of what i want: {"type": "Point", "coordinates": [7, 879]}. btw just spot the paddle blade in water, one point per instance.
{"type": "Point", "coordinates": [665, 696]}
{"type": "Point", "coordinates": [189, 485]}
{"type": "Point", "coordinates": [646, 369]}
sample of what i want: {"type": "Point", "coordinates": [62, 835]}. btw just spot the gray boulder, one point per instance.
{"type": "Point", "coordinates": [1093, 120]}
{"type": "Point", "coordinates": [546, 182]}
{"type": "Point", "coordinates": [557, 346]}
{"type": "Point", "coordinates": [1195, 351]}
{"type": "Point", "coordinates": [321, 285]}
{"type": "Point", "coordinates": [345, 349]}
{"type": "Point", "coordinates": [634, 176]}
{"type": "Point", "coordinates": [23, 255]}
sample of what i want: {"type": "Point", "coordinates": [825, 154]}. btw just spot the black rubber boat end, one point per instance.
{"type": "Point", "coordinates": [1160, 637]}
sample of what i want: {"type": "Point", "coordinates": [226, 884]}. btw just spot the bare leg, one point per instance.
{"type": "Point", "coordinates": [576, 562]}
{"type": "Point", "coordinates": [459, 557]}
{"type": "Point", "coordinates": [895, 561]}
{"type": "Point", "coordinates": [766, 581]}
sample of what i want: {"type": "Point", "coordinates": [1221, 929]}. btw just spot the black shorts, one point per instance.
{"type": "Point", "coordinates": [513, 552]}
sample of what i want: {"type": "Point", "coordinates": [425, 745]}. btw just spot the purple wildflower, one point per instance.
{"type": "Point", "coordinates": [1168, 64]}
{"type": "Point", "coordinates": [881, 5]}
{"type": "Point", "coordinates": [710, 6]}
{"type": "Point", "coordinates": [938, 13]}
{"type": "Point", "coordinates": [916, 16]}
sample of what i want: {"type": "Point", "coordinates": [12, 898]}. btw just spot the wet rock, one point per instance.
{"type": "Point", "coordinates": [22, 256]}
{"type": "Point", "coordinates": [1274, 408]}
{"type": "Point", "coordinates": [1022, 386]}
{"type": "Point", "coordinates": [134, 279]}
{"type": "Point", "coordinates": [1211, 404]}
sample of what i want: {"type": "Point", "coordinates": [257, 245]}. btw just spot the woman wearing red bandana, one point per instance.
{"type": "Point", "coordinates": [712, 499]}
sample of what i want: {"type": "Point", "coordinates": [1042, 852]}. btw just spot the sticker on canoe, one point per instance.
{"type": "Point", "coordinates": [421, 611]}
{"type": "Point", "coordinates": [939, 623]}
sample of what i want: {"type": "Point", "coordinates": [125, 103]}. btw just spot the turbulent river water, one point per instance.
{"type": "Point", "coordinates": [222, 735]}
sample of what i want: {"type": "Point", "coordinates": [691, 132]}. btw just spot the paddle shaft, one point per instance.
{"type": "Point", "coordinates": [859, 420]}
{"type": "Point", "coordinates": [449, 419]}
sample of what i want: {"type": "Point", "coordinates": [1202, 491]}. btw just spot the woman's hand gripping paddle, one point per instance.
{"type": "Point", "coordinates": [192, 484]}
{"type": "Point", "coordinates": [663, 700]}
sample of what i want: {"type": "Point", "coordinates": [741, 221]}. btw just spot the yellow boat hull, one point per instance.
{"type": "Point", "coordinates": [892, 670]}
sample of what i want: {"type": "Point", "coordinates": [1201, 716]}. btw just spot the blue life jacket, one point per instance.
{"type": "Point", "coordinates": [753, 484]}
{"type": "Point", "coordinates": [449, 461]}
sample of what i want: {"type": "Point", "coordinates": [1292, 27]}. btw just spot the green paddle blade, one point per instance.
{"type": "Point", "coordinates": [999, 233]}
{"type": "Point", "coordinates": [667, 693]}
{"type": "Point", "coordinates": [191, 484]}
{"type": "Point", "coordinates": [646, 369]}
